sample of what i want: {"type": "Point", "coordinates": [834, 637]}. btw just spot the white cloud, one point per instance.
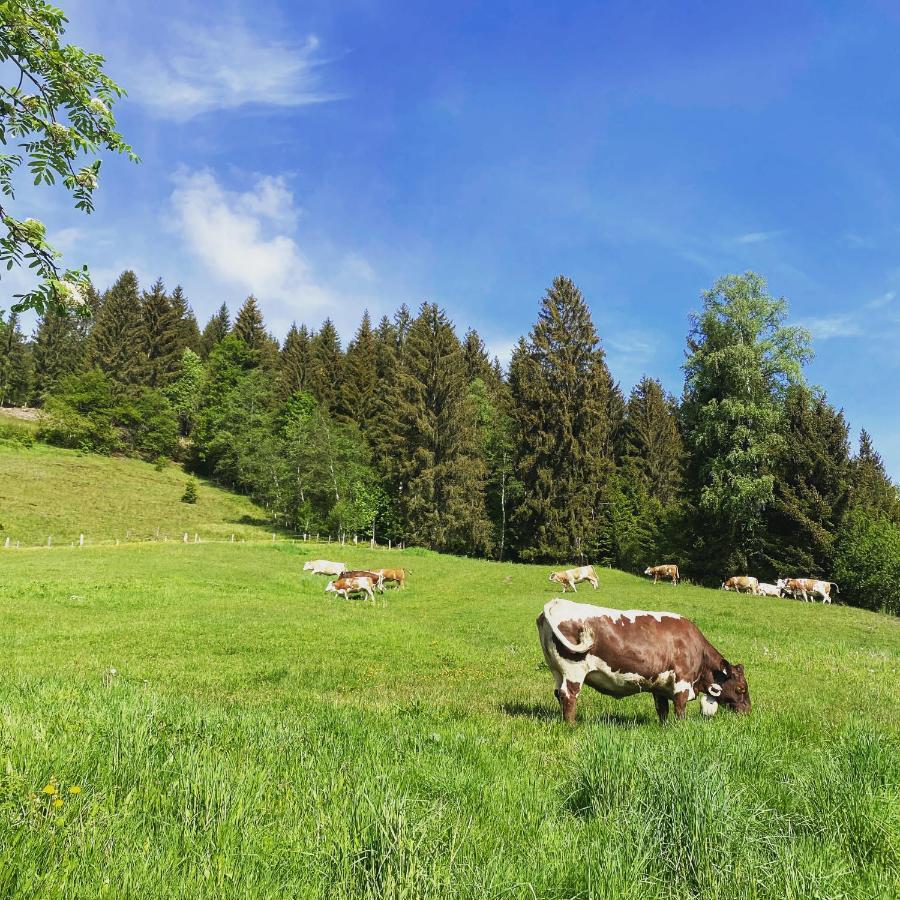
{"type": "Point", "coordinates": [225, 67]}
{"type": "Point", "coordinates": [757, 237]}
{"type": "Point", "coordinates": [241, 239]}
{"type": "Point", "coordinates": [832, 327]}
{"type": "Point", "coordinates": [884, 299]}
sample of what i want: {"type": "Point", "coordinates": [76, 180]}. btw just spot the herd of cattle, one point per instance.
{"type": "Point", "coordinates": [619, 652]}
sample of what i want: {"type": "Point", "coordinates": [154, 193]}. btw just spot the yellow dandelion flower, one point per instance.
{"type": "Point", "coordinates": [58, 802]}
{"type": "Point", "coordinates": [75, 789]}
{"type": "Point", "coordinates": [49, 789]}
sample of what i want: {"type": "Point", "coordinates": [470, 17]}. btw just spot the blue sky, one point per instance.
{"type": "Point", "coordinates": [332, 156]}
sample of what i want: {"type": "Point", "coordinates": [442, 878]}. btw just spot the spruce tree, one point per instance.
{"type": "Point", "coordinates": [385, 349]}
{"type": "Point", "coordinates": [360, 377]}
{"type": "Point", "coordinates": [402, 323]}
{"type": "Point", "coordinates": [561, 399]}
{"type": "Point", "coordinates": [161, 337]}
{"type": "Point", "coordinates": [741, 360]}
{"type": "Point", "coordinates": [435, 468]}
{"type": "Point", "coordinates": [15, 364]}
{"type": "Point", "coordinates": [58, 350]}
{"type": "Point", "coordinates": [214, 331]}
{"type": "Point", "coordinates": [872, 490]}
{"type": "Point", "coordinates": [116, 344]}
{"type": "Point", "coordinates": [326, 365]}
{"type": "Point", "coordinates": [188, 330]}
{"type": "Point", "coordinates": [249, 325]}
{"type": "Point", "coordinates": [812, 487]}
{"type": "Point", "coordinates": [476, 359]}
{"type": "Point", "coordinates": [294, 362]}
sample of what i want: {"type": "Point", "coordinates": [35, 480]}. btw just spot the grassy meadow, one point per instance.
{"type": "Point", "coordinates": [51, 492]}
{"type": "Point", "coordinates": [260, 738]}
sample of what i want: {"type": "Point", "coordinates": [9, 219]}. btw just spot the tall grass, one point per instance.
{"type": "Point", "coordinates": [259, 739]}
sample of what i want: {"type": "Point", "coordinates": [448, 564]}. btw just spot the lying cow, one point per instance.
{"type": "Point", "coordinates": [324, 567]}
{"type": "Point", "coordinates": [669, 571]}
{"type": "Point", "coordinates": [742, 584]}
{"type": "Point", "coordinates": [624, 652]}
{"type": "Point", "coordinates": [571, 577]}
{"type": "Point", "coordinates": [769, 590]}
{"type": "Point", "coordinates": [377, 580]}
{"type": "Point", "coordinates": [398, 576]}
{"type": "Point", "coordinates": [356, 584]}
{"type": "Point", "coordinates": [808, 588]}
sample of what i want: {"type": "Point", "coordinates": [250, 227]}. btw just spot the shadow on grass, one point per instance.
{"type": "Point", "coordinates": [549, 712]}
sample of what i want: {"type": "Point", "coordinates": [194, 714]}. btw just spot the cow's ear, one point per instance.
{"type": "Point", "coordinates": [738, 668]}
{"type": "Point", "coordinates": [720, 676]}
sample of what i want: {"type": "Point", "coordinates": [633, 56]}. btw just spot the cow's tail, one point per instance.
{"type": "Point", "coordinates": [587, 639]}
{"type": "Point", "coordinates": [837, 590]}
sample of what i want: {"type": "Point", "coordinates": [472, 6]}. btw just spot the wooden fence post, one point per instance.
{"type": "Point", "coordinates": [49, 540]}
{"type": "Point", "coordinates": [185, 537]}
{"type": "Point", "coordinates": [80, 540]}
{"type": "Point", "coordinates": [7, 544]}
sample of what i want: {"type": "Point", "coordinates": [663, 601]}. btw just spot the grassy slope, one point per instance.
{"type": "Point", "coordinates": [62, 493]}
{"type": "Point", "coordinates": [262, 738]}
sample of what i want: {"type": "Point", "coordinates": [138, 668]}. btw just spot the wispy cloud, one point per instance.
{"type": "Point", "coordinates": [883, 300]}
{"type": "Point", "coordinates": [839, 326]}
{"type": "Point", "coordinates": [225, 67]}
{"type": "Point", "coordinates": [756, 237]}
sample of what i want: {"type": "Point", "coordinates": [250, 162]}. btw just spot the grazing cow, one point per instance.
{"type": "Point", "coordinates": [769, 590]}
{"type": "Point", "coordinates": [624, 652]}
{"type": "Point", "coordinates": [324, 567]}
{"type": "Point", "coordinates": [377, 580]}
{"type": "Point", "coordinates": [741, 584]}
{"type": "Point", "coordinates": [667, 571]}
{"type": "Point", "coordinates": [358, 584]}
{"type": "Point", "coordinates": [571, 577]}
{"type": "Point", "coordinates": [396, 575]}
{"type": "Point", "coordinates": [808, 588]}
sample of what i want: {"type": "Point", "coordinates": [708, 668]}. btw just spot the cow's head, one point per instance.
{"type": "Point", "coordinates": [307, 566]}
{"type": "Point", "coordinates": [330, 587]}
{"type": "Point", "coordinates": [729, 686]}
{"type": "Point", "coordinates": [648, 570]}
{"type": "Point", "coordinates": [555, 577]}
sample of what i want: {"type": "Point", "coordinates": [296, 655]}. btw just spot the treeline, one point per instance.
{"type": "Point", "coordinates": [414, 434]}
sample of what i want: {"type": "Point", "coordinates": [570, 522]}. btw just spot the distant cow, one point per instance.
{"type": "Point", "coordinates": [808, 588]}
{"type": "Point", "coordinates": [623, 652]}
{"type": "Point", "coordinates": [571, 577]}
{"type": "Point", "coordinates": [324, 567]}
{"type": "Point", "coordinates": [377, 580]}
{"type": "Point", "coordinates": [357, 584]}
{"type": "Point", "coordinates": [769, 590]}
{"type": "Point", "coordinates": [742, 584]}
{"type": "Point", "coordinates": [398, 576]}
{"type": "Point", "coordinates": [668, 571]}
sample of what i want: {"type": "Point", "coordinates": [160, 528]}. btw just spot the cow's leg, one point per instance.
{"type": "Point", "coordinates": [662, 707]}
{"type": "Point", "coordinates": [572, 583]}
{"type": "Point", "coordinates": [595, 583]}
{"type": "Point", "coordinates": [680, 703]}
{"type": "Point", "coordinates": [568, 699]}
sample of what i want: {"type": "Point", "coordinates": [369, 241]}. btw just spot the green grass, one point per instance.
{"type": "Point", "coordinates": [50, 492]}
{"type": "Point", "coordinates": [261, 738]}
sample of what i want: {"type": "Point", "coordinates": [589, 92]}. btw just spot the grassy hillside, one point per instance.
{"type": "Point", "coordinates": [47, 491]}
{"type": "Point", "coordinates": [260, 738]}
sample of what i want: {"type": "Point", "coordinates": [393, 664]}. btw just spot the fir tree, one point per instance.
{"type": "Point", "coordinates": [294, 362]}
{"type": "Point", "coordinates": [476, 359]}
{"type": "Point", "coordinates": [812, 485]}
{"type": "Point", "coordinates": [188, 330]}
{"type": "Point", "coordinates": [872, 490]}
{"type": "Point", "coordinates": [561, 398]}
{"type": "Point", "coordinates": [385, 349]}
{"type": "Point", "coordinates": [15, 364]}
{"type": "Point", "coordinates": [402, 323]}
{"type": "Point", "coordinates": [249, 326]}
{"type": "Point", "coordinates": [214, 331]}
{"type": "Point", "coordinates": [161, 337]}
{"type": "Point", "coordinates": [58, 350]}
{"type": "Point", "coordinates": [115, 345]}
{"type": "Point", "coordinates": [326, 365]}
{"type": "Point", "coordinates": [436, 467]}
{"type": "Point", "coordinates": [359, 385]}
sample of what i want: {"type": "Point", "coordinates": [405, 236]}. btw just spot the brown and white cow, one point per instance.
{"type": "Point", "coordinates": [398, 576]}
{"type": "Point", "coordinates": [358, 584]}
{"type": "Point", "coordinates": [742, 584]}
{"type": "Point", "coordinates": [324, 567]}
{"type": "Point", "coordinates": [670, 571]}
{"type": "Point", "coordinates": [807, 588]}
{"type": "Point", "coordinates": [769, 590]}
{"type": "Point", "coordinates": [623, 652]}
{"type": "Point", "coordinates": [377, 580]}
{"type": "Point", "coordinates": [571, 577]}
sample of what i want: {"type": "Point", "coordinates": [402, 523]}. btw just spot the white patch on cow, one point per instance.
{"type": "Point", "coordinates": [685, 686]}
{"type": "Point", "coordinates": [708, 707]}
{"type": "Point", "coordinates": [561, 610]}
{"type": "Point", "coordinates": [608, 681]}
